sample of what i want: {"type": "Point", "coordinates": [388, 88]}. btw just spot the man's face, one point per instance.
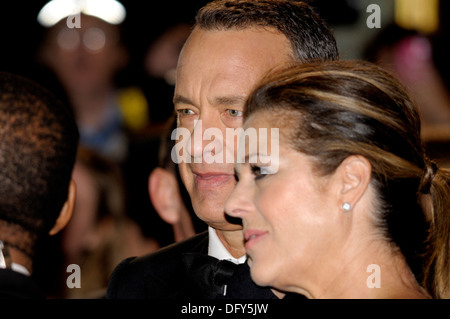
{"type": "Point", "coordinates": [217, 71]}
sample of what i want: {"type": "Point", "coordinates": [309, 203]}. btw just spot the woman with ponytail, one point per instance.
{"type": "Point", "coordinates": [355, 208]}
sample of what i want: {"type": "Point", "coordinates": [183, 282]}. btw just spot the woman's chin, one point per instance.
{"type": "Point", "coordinates": [259, 274]}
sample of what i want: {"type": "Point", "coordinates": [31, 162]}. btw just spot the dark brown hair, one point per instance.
{"type": "Point", "coordinates": [339, 109]}
{"type": "Point", "coordinates": [308, 34]}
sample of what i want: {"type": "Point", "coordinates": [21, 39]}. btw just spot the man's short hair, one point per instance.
{"type": "Point", "coordinates": [38, 145]}
{"type": "Point", "coordinates": [310, 37]}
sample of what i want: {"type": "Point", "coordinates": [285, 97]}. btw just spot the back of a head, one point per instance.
{"type": "Point", "coordinates": [308, 34]}
{"type": "Point", "coordinates": [38, 145]}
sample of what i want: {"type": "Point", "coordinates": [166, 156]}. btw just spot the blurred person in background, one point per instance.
{"type": "Point", "coordinates": [86, 60]}
{"type": "Point", "coordinates": [113, 118]}
{"type": "Point", "coordinates": [100, 234]}
{"type": "Point", "coordinates": [168, 194]}
{"type": "Point", "coordinates": [408, 54]}
{"type": "Point", "coordinates": [419, 60]}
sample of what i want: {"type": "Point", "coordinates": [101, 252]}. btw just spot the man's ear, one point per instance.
{"type": "Point", "coordinates": [66, 212]}
{"type": "Point", "coordinates": [163, 191]}
{"type": "Point", "coordinates": [354, 174]}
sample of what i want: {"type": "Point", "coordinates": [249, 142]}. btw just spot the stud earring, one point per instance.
{"type": "Point", "coordinates": [346, 206]}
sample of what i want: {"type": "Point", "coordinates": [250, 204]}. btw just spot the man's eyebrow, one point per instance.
{"type": "Point", "coordinates": [230, 100]}
{"type": "Point", "coordinates": [179, 99]}
{"type": "Point", "coordinates": [221, 100]}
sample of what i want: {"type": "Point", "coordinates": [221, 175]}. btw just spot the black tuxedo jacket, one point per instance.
{"type": "Point", "coordinates": [156, 275]}
{"type": "Point", "coordinates": [162, 275]}
{"type": "Point", "coordinates": [14, 285]}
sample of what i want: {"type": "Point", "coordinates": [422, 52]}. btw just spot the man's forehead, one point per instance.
{"type": "Point", "coordinates": [256, 41]}
{"type": "Point", "coordinates": [224, 66]}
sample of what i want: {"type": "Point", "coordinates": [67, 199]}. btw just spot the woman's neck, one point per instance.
{"type": "Point", "coordinates": [371, 272]}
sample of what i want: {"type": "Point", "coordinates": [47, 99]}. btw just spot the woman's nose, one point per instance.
{"type": "Point", "coordinates": [240, 201]}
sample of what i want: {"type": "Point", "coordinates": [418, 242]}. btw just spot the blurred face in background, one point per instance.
{"type": "Point", "coordinates": [80, 235]}
{"type": "Point", "coordinates": [84, 58]}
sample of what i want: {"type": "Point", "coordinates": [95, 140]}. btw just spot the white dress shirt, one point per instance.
{"type": "Point", "coordinates": [217, 249]}
{"type": "Point", "coordinates": [16, 267]}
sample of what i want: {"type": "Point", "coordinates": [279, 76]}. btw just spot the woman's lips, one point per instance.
{"type": "Point", "coordinates": [251, 237]}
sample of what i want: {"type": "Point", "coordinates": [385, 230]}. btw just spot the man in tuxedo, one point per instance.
{"type": "Point", "coordinates": [232, 45]}
{"type": "Point", "coordinates": [38, 146]}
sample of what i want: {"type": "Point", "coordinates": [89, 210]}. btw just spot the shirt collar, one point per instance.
{"type": "Point", "coordinates": [217, 249]}
{"type": "Point", "coordinates": [16, 267]}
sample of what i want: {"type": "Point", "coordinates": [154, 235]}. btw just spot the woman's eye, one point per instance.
{"type": "Point", "coordinates": [234, 113]}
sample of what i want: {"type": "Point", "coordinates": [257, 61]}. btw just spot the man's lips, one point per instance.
{"type": "Point", "coordinates": [252, 236]}
{"type": "Point", "coordinates": [212, 179]}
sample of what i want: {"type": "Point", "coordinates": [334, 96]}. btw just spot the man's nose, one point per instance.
{"type": "Point", "coordinates": [206, 143]}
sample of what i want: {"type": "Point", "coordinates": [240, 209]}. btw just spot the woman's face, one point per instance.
{"type": "Point", "coordinates": [289, 225]}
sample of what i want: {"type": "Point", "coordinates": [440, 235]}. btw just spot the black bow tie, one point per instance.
{"type": "Point", "coordinates": [207, 276]}
{"type": "Point", "coordinates": [210, 278]}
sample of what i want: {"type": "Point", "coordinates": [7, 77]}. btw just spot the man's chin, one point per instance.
{"type": "Point", "coordinates": [217, 219]}
{"type": "Point", "coordinates": [226, 226]}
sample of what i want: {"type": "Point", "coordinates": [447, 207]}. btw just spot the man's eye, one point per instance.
{"type": "Point", "coordinates": [234, 113]}
{"type": "Point", "coordinates": [185, 112]}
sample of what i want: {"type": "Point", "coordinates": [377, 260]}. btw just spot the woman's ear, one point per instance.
{"type": "Point", "coordinates": [66, 212]}
{"type": "Point", "coordinates": [354, 175]}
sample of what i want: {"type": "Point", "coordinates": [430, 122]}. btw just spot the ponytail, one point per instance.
{"type": "Point", "coordinates": [437, 259]}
